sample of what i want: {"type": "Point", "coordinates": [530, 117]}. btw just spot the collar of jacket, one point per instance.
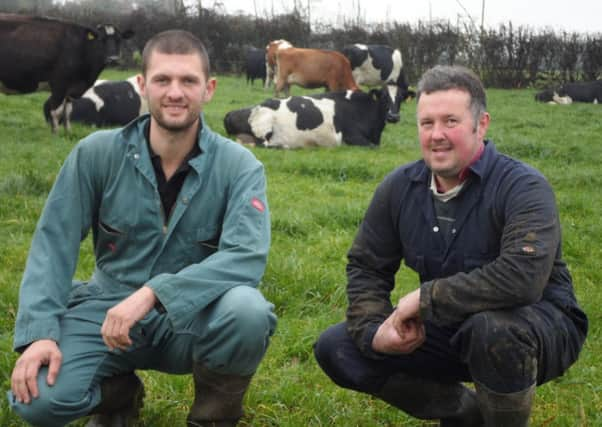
{"type": "Point", "coordinates": [418, 171]}
{"type": "Point", "coordinates": [133, 134]}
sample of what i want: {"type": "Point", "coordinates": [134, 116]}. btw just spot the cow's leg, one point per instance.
{"type": "Point", "coordinates": [67, 109]}
{"type": "Point", "coordinates": [53, 110]}
{"type": "Point", "coordinates": [268, 76]}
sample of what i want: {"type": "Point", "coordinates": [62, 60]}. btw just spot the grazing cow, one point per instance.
{"type": "Point", "coordinates": [255, 65]}
{"type": "Point", "coordinates": [379, 65]}
{"type": "Point", "coordinates": [573, 92]}
{"type": "Point", "coordinates": [326, 120]}
{"type": "Point", "coordinates": [313, 68]}
{"type": "Point", "coordinates": [270, 58]}
{"type": "Point", "coordinates": [66, 56]}
{"type": "Point", "coordinates": [107, 103]}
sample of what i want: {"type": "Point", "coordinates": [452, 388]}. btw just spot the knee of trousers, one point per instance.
{"type": "Point", "coordinates": [500, 350]}
{"type": "Point", "coordinates": [341, 360]}
{"type": "Point", "coordinates": [55, 406]}
{"type": "Point", "coordinates": [242, 323]}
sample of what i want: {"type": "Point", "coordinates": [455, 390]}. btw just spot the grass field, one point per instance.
{"type": "Point", "coordinates": [317, 198]}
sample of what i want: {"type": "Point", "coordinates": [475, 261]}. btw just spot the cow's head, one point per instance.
{"type": "Point", "coordinates": [110, 39]}
{"type": "Point", "coordinates": [396, 95]}
{"type": "Point", "coordinates": [545, 95]}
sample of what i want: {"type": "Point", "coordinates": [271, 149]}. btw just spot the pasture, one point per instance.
{"type": "Point", "coordinates": [317, 198]}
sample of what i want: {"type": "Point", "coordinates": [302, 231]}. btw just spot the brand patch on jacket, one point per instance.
{"type": "Point", "coordinates": [257, 204]}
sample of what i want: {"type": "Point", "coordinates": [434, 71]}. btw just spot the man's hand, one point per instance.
{"type": "Point", "coordinates": [24, 384]}
{"type": "Point", "coordinates": [402, 332]}
{"type": "Point", "coordinates": [120, 318]}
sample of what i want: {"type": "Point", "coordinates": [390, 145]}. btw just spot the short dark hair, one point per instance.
{"type": "Point", "coordinates": [176, 42]}
{"type": "Point", "coordinates": [445, 77]}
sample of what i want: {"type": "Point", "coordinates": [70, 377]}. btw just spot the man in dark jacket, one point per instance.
{"type": "Point", "coordinates": [495, 305]}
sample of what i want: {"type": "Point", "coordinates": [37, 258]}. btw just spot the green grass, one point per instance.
{"type": "Point", "coordinates": [317, 198]}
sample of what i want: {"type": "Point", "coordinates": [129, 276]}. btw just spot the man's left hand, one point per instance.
{"type": "Point", "coordinates": [120, 318]}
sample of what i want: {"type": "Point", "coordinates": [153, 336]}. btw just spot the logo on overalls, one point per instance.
{"type": "Point", "coordinates": [257, 204]}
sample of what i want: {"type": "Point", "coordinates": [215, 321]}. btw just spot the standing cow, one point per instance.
{"type": "Point", "coordinates": [313, 68]}
{"type": "Point", "coordinates": [255, 65]}
{"type": "Point", "coordinates": [379, 65]}
{"type": "Point", "coordinates": [270, 59]}
{"type": "Point", "coordinates": [325, 120]}
{"type": "Point", "coordinates": [107, 103]}
{"type": "Point", "coordinates": [66, 56]}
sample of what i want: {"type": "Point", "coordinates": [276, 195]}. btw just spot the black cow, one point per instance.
{"type": "Point", "coordinates": [255, 65]}
{"type": "Point", "coordinates": [107, 103]}
{"type": "Point", "coordinates": [380, 65]}
{"type": "Point", "coordinates": [327, 119]}
{"type": "Point", "coordinates": [573, 92]}
{"type": "Point", "coordinates": [66, 56]}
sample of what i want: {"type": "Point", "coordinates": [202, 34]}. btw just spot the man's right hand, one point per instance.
{"type": "Point", "coordinates": [24, 378]}
{"type": "Point", "coordinates": [390, 338]}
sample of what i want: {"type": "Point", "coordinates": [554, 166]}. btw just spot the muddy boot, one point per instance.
{"type": "Point", "coordinates": [505, 409]}
{"type": "Point", "coordinates": [217, 398]}
{"type": "Point", "coordinates": [121, 400]}
{"type": "Point", "coordinates": [452, 403]}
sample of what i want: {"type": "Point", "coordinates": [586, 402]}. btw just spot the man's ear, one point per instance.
{"type": "Point", "coordinates": [483, 125]}
{"type": "Point", "coordinates": [141, 84]}
{"type": "Point", "coordinates": [210, 89]}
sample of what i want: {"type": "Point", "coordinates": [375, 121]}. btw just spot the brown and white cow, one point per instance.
{"type": "Point", "coordinates": [270, 58]}
{"type": "Point", "coordinates": [313, 68]}
{"type": "Point", "coordinates": [66, 56]}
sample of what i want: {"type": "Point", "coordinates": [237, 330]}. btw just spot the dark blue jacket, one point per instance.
{"type": "Point", "coordinates": [505, 249]}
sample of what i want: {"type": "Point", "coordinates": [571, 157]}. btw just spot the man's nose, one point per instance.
{"type": "Point", "coordinates": [174, 90]}
{"type": "Point", "coordinates": [438, 131]}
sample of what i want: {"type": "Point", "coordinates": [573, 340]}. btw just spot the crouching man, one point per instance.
{"type": "Point", "coordinates": [181, 233]}
{"type": "Point", "coordinates": [495, 305]}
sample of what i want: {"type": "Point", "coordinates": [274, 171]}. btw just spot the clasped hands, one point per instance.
{"type": "Point", "coordinates": [403, 331]}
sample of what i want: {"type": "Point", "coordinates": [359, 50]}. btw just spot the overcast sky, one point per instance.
{"type": "Point", "coordinates": [571, 15]}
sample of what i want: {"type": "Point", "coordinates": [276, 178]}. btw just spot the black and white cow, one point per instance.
{"type": "Point", "coordinates": [255, 65]}
{"type": "Point", "coordinates": [326, 120]}
{"type": "Point", "coordinates": [573, 92]}
{"type": "Point", "coordinates": [107, 103]}
{"type": "Point", "coordinates": [380, 65]}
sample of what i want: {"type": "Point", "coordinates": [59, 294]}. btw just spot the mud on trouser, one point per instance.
{"type": "Point", "coordinates": [510, 350]}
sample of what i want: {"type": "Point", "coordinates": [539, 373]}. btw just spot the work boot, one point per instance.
{"type": "Point", "coordinates": [505, 409]}
{"type": "Point", "coordinates": [121, 400]}
{"type": "Point", "coordinates": [217, 398]}
{"type": "Point", "coordinates": [451, 403]}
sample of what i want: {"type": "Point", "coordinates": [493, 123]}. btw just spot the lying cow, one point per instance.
{"type": "Point", "coordinates": [573, 92]}
{"type": "Point", "coordinates": [326, 120]}
{"type": "Point", "coordinates": [270, 59]}
{"type": "Point", "coordinates": [313, 68]}
{"type": "Point", "coordinates": [66, 56]}
{"type": "Point", "coordinates": [380, 65]}
{"type": "Point", "coordinates": [107, 103]}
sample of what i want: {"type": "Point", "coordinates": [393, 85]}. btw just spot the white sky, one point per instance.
{"type": "Point", "coordinates": [584, 16]}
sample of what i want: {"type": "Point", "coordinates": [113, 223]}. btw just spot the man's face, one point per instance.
{"type": "Point", "coordinates": [447, 133]}
{"type": "Point", "coordinates": [176, 89]}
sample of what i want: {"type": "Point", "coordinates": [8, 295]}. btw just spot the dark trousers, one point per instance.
{"type": "Point", "coordinates": [505, 350]}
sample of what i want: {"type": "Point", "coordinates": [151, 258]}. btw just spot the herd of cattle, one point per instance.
{"type": "Point", "coordinates": [67, 58]}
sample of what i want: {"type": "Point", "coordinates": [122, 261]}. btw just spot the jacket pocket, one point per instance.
{"type": "Point", "coordinates": [205, 243]}
{"type": "Point", "coordinates": [111, 241]}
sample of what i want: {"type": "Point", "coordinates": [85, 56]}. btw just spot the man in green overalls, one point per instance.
{"type": "Point", "coordinates": [181, 233]}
